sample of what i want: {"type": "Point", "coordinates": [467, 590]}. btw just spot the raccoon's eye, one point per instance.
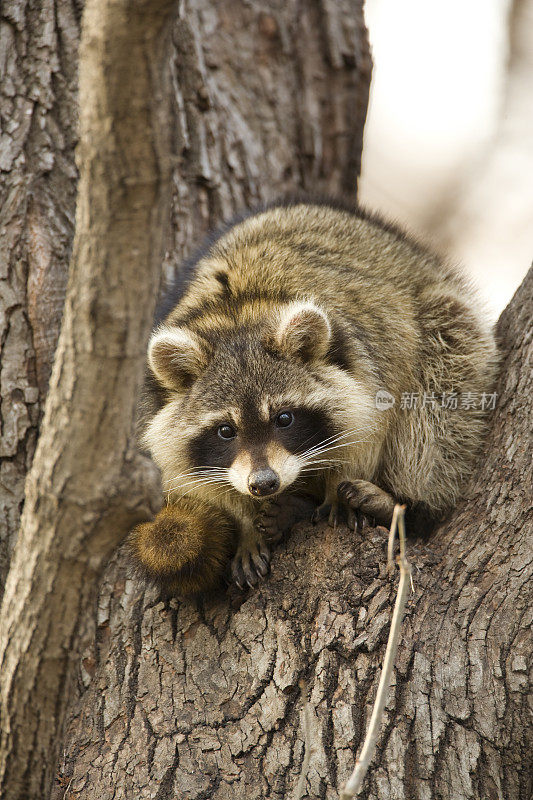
{"type": "Point", "coordinates": [284, 419]}
{"type": "Point", "coordinates": [226, 432]}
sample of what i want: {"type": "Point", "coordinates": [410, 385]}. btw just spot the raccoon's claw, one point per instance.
{"type": "Point", "coordinates": [250, 566]}
{"type": "Point", "coordinates": [365, 503]}
{"type": "Point", "coordinates": [350, 498]}
{"type": "Point", "coordinates": [341, 513]}
{"type": "Point", "coordinates": [356, 520]}
{"type": "Point", "coordinates": [333, 512]}
{"type": "Point", "coordinates": [336, 516]}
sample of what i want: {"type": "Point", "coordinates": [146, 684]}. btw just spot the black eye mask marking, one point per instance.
{"type": "Point", "coordinates": [209, 449]}
{"type": "Point", "coordinates": [308, 428]}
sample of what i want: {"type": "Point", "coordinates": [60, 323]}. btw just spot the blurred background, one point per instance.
{"type": "Point", "coordinates": [449, 137]}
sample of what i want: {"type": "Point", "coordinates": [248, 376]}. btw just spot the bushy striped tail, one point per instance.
{"type": "Point", "coordinates": [186, 548]}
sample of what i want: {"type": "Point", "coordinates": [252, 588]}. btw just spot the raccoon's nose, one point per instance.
{"type": "Point", "coordinates": [263, 482]}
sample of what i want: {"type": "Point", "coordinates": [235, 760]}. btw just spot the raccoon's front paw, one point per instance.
{"type": "Point", "coordinates": [250, 564]}
{"type": "Point", "coordinates": [279, 515]}
{"type": "Point", "coordinates": [365, 502]}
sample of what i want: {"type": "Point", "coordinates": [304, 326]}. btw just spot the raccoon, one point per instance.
{"type": "Point", "coordinates": [310, 350]}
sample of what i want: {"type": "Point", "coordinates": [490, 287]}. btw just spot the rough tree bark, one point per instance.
{"type": "Point", "coordinates": [88, 484]}
{"type": "Point", "coordinates": [38, 119]}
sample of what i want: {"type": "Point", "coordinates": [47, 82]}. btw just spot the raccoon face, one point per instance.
{"type": "Point", "coordinates": [261, 441]}
{"type": "Point", "coordinates": [254, 407]}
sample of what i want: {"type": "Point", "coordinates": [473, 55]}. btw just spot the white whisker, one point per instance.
{"type": "Point", "coordinates": [200, 469]}
{"type": "Point", "coordinates": [198, 472]}
{"type": "Point", "coordinates": [229, 489]}
{"type": "Point", "coordinates": [319, 448]}
{"type": "Point", "coordinates": [197, 483]}
{"type": "Point", "coordinates": [331, 460]}
{"type": "Point", "coordinates": [329, 441]}
{"type": "Point", "coordinates": [329, 448]}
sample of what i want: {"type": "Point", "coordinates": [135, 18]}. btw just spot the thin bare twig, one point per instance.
{"type": "Point", "coordinates": [355, 782]}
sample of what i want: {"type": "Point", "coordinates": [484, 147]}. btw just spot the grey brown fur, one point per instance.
{"type": "Point", "coordinates": [309, 310]}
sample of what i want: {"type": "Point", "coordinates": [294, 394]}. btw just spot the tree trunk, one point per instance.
{"type": "Point", "coordinates": [205, 699]}
{"type": "Point", "coordinates": [88, 484]}
{"type": "Point", "coordinates": [38, 120]}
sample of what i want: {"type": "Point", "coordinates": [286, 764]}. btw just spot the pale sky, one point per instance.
{"type": "Point", "coordinates": [449, 139]}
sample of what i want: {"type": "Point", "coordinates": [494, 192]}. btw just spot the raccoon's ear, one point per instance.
{"type": "Point", "coordinates": [176, 357]}
{"type": "Point", "coordinates": [303, 330]}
